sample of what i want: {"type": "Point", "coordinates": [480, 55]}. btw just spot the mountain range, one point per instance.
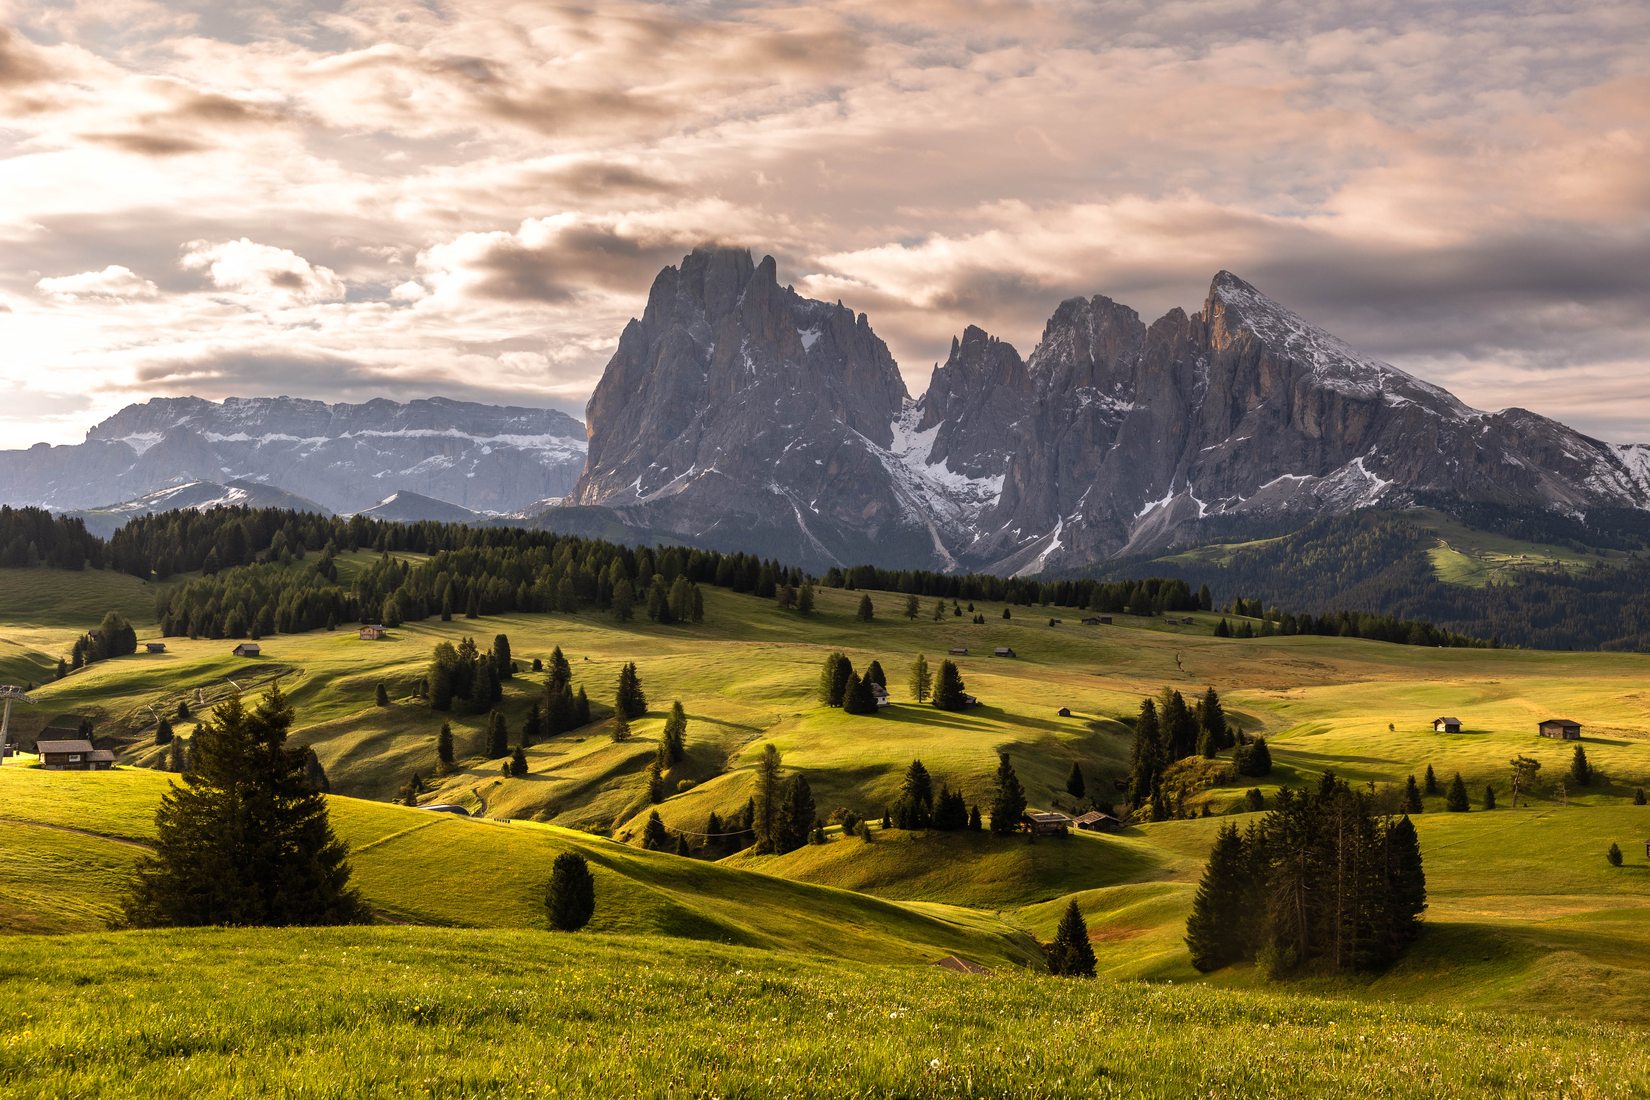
{"type": "Point", "coordinates": [736, 413]}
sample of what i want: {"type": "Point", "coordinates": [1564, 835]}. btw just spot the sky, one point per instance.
{"type": "Point", "coordinates": [348, 200]}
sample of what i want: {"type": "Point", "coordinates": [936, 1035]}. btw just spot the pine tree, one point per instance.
{"type": "Point", "coordinates": [1638, 797]}
{"type": "Point", "coordinates": [974, 822]}
{"type": "Point", "coordinates": [581, 707]}
{"type": "Point", "coordinates": [858, 698]}
{"type": "Point", "coordinates": [630, 700]}
{"type": "Point", "coordinates": [163, 732]}
{"type": "Point", "coordinates": [1071, 955]}
{"type": "Point", "coordinates": [1074, 782]}
{"type": "Point", "coordinates": [620, 730]}
{"type": "Point", "coordinates": [1412, 796]}
{"type": "Point", "coordinates": [865, 611]}
{"type": "Point", "coordinates": [950, 693]}
{"type": "Point", "coordinates": [875, 675]}
{"type": "Point", "coordinates": [1223, 629]}
{"type": "Point", "coordinates": [1580, 770]}
{"type": "Point", "coordinates": [655, 837]}
{"type": "Point", "coordinates": [518, 762]}
{"type": "Point", "coordinates": [939, 610]}
{"type": "Point", "coordinates": [1407, 884]}
{"type": "Point", "coordinates": [444, 747]}
{"type": "Point", "coordinates": [922, 681]}
{"type": "Point", "coordinates": [1008, 804]}
{"type": "Point", "coordinates": [673, 741]}
{"type": "Point", "coordinates": [175, 756]}
{"type": "Point", "coordinates": [912, 607]}
{"type": "Point", "coordinates": [245, 840]}
{"type": "Point", "coordinates": [1147, 761]}
{"type": "Point", "coordinates": [1614, 854]}
{"type": "Point", "coordinates": [498, 736]}
{"type": "Point", "coordinates": [767, 806]}
{"type": "Point", "coordinates": [383, 696]}
{"type": "Point", "coordinates": [1218, 931]}
{"type": "Point", "coordinates": [1432, 780]}
{"type": "Point", "coordinates": [797, 815]}
{"type": "Point", "coordinates": [915, 807]}
{"type": "Point", "coordinates": [1489, 797]}
{"type": "Point", "coordinates": [1456, 801]}
{"type": "Point", "coordinates": [805, 600]}
{"type": "Point", "coordinates": [570, 899]}
{"type": "Point", "coordinates": [834, 678]}
{"type": "Point", "coordinates": [532, 727]}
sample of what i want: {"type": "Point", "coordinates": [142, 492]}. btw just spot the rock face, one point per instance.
{"type": "Point", "coordinates": [344, 457]}
{"type": "Point", "coordinates": [740, 414]}
{"type": "Point", "coordinates": [199, 496]}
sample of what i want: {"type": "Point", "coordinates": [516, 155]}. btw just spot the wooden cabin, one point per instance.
{"type": "Point", "coordinates": [154, 647]}
{"type": "Point", "coordinates": [1446, 725]}
{"type": "Point", "coordinates": [75, 755]}
{"type": "Point", "coordinates": [1045, 823]}
{"type": "Point", "coordinates": [959, 651]}
{"type": "Point", "coordinates": [1064, 712]}
{"type": "Point", "coordinates": [1003, 651]}
{"type": "Point", "coordinates": [880, 694]}
{"type": "Point", "coordinates": [372, 632]}
{"type": "Point", "coordinates": [1096, 822]}
{"type": "Point", "coordinates": [248, 649]}
{"type": "Point", "coordinates": [1561, 729]}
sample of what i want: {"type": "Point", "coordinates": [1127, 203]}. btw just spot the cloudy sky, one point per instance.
{"type": "Point", "coordinates": [470, 197]}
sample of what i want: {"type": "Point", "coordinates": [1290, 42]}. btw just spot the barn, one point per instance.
{"type": "Point", "coordinates": [248, 649]}
{"type": "Point", "coordinates": [75, 755]}
{"type": "Point", "coordinates": [1561, 729]}
{"type": "Point", "coordinates": [1045, 823]}
{"type": "Point", "coordinates": [1446, 725]}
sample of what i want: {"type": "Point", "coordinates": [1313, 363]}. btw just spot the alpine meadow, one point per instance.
{"type": "Point", "coordinates": [972, 549]}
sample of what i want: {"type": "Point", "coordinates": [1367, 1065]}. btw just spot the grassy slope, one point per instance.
{"type": "Point", "coordinates": [417, 867]}
{"type": "Point", "coordinates": [439, 1013]}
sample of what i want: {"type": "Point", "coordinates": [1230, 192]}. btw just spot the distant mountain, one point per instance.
{"type": "Point", "coordinates": [403, 506]}
{"type": "Point", "coordinates": [195, 495]}
{"type": "Point", "coordinates": [344, 457]}
{"type": "Point", "coordinates": [738, 413]}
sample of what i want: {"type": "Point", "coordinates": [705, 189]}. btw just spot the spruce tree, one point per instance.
{"type": "Point", "coordinates": [950, 693]}
{"type": "Point", "coordinates": [864, 611]}
{"type": "Point", "coordinates": [246, 839]}
{"type": "Point", "coordinates": [858, 699]}
{"type": "Point", "coordinates": [570, 899]}
{"type": "Point", "coordinates": [1412, 796]}
{"type": "Point", "coordinates": [630, 700]}
{"type": "Point", "coordinates": [1217, 932]}
{"type": "Point", "coordinates": [175, 757]}
{"type": "Point", "coordinates": [620, 730]}
{"type": "Point", "coordinates": [915, 807]}
{"type": "Point", "coordinates": [805, 600]}
{"type": "Point", "coordinates": [383, 696]}
{"type": "Point", "coordinates": [581, 707]}
{"type": "Point", "coordinates": [1074, 782]}
{"type": "Point", "coordinates": [1147, 763]}
{"type": "Point", "coordinates": [655, 837]}
{"type": "Point", "coordinates": [1580, 770]}
{"type": "Point", "coordinates": [518, 762]}
{"type": "Point", "coordinates": [1432, 779]}
{"type": "Point", "coordinates": [767, 806]}
{"type": "Point", "coordinates": [834, 678]}
{"type": "Point", "coordinates": [1456, 800]}
{"type": "Point", "coordinates": [1613, 856]}
{"type": "Point", "coordinates": [1638, 797]}
{"type": "Point", "coordinates": [498, 736]}
{"type": "Point", "coordinates": [922, 681]}
{"type": "Point", "coordinates": [163, 732]}
{"type": "Point", "coordinates": [974, 822]}
{"type": "Point", "coordinates": [1489, 797]}
{"type": "Point", "coordinates": [1008, 803]}
{"type": "Point", "coordinates": [875, 675]}
{"type": "Point", "coordinates": [912, 607]}
{"type": "Point", "coordinates": [1071, 955]}
{"type": "Point", "coordinates": [444, 747]}
{"type": "Point", "coordinates": [673, 742]}
{"type": "Point", "coordinates": [797, 816]}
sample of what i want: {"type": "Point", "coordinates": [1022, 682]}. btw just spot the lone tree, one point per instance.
{"type": "Point", "coordinates": [1456, 801]}
{"type": "Point", "coordinates": [444, 746]}
{"type": "Point", "coordinates": [570, 900]}
{"type": "Point", "coordinates": [163, 732]}
{"type": "Point", "coordinates": [1489, 797]}
{"type": "Point", "coordinates": [1074, 782]}
{"type": "Point", "coordinates": [518, 763]}
{"type": "Point", "coordinates": [1580, 770]}
{"type": "Point", "coordinates": [673, 742]}
{"type": "Point", "coordinates": [805, 600]}
{"type": "Point", "coordinates": [911, 607]}
{"type": "Point", "coordinates": [246, 839]}
{"type": "Point", "coordinates": [383, 696]}
{"type": "Point", "coordinates": [1524, 770]}
{"type": "Point", "coordinates": [1614, 854]}
{"type": "Point", "coordinates": [1071, 955]}
{"type": "Point", "coordinates": [950, 694]}
{"type": "Point", "coordinates": [1638, 797]}
{"type": "Point", "coordinates": [922, 681]}
{"type": "Point", "coordinates": [1432, 780]}
{"type": "Point", "coordinates": [865, 611]}
{"type": "Point", "coordinates": [1008, 803]}
{"type": "Point", "coordinates": [630, 700]}
{"type": "Point", "coordinates": [655, 837]}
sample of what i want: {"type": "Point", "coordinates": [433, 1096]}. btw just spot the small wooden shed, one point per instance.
{"type": "Point", "coordinates": [1446, 725]}
{"type": "Point", "coordinates": [154, 647]}
{"type": "Point", "coordinates": [248, 649]}
{"type": "Point", "coordinates": [372, 632]}
{"type": "Point", "coordinates": [1045, 822]}
{"type": "Point", "coordinates": [1561, 729]}
{"type": "Point", "coordinates": [1064, 712]}
{"type": "Point", "coordinates": [1003, 651]}
{"type": "Point", "coordinates": [959, 651]}
{"type": "Point", "coordinates": [1096, 822]}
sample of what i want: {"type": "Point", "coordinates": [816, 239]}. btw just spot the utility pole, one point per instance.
{"type": "Point", "coordinates": [8, 694]}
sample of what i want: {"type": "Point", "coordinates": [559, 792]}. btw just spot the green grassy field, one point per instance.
{"type": "Point", "coordinates": [459, 1013]}
{"type": "Point", "coordinates": [1525, 912]}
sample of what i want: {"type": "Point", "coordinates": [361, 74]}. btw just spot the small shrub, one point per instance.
{"type": "Point", "coordinates": [1614, 855]}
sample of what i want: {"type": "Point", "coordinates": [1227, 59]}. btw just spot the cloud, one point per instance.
{"type": "Point", "coordinates": [21, 63]}
{"type": "Point", "coordinates": [113, 283]}
{"type": "Point", "coordinates": [261, 270]}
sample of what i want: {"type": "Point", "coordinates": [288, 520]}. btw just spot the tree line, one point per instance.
{"type": "Point", "coordinates": [34, 536]}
